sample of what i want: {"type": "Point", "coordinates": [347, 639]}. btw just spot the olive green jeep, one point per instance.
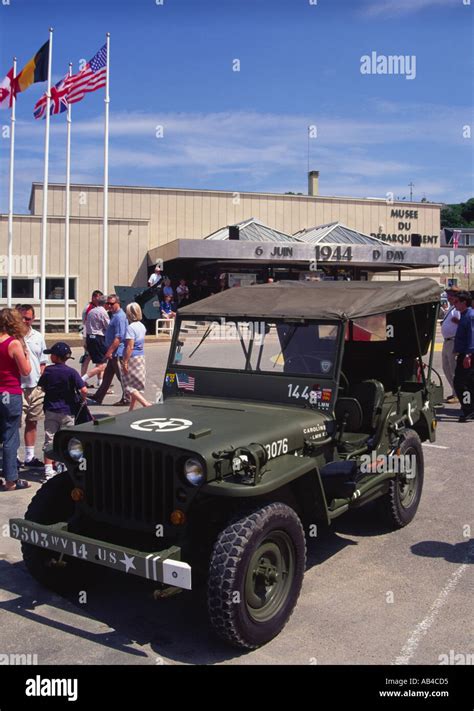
{"type": "Point", "coordinates": [284, 406]}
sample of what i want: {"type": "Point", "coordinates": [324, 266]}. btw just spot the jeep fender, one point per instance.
{"type": "Point", "coordinates": [424, 425]}
{"type": "Point", "coordinates": [301, 474]}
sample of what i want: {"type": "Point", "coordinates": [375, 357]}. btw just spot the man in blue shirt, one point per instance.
{"type": "Point", "coordinates": [464, 350]}
{"type": "Point", "coordinates": [115, 343]}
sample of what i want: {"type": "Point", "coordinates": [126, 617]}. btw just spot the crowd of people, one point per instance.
{"type": "Point", "coordinates": [173, 297]}
{"type": "Point", "coordinates": [114, 342]}
{"type": "Point", "coordinates": [31, 388]}
{"type": "Point", "coordinates": [28, 389]}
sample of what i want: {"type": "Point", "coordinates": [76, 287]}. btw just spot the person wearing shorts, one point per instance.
{"type": "Point", "coordinates": [59, 382]}
{"type": "Point", "coordinates": [85, 359]}
{"type": "Point", "coordinates": [132, 361]}
{"type": "Point", "coordinates": [96, 323]}
{"type": "Point", "coordinates": [32, 394]}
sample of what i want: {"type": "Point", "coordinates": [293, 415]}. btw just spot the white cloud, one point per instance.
{"type": "Point", "coordinates": [393, 8]}
{"type": "Point", "coordinates": [390, 122]}
{"type": "Point", "coordinates": [248, 150]}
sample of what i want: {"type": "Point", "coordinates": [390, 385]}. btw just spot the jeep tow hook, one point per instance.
{"type": "Point", "coordinates": [164, 593]}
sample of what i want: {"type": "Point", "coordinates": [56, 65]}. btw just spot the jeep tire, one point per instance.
{"type": "Point", "coordinates": [255, 575]}
{"type": "Point", "coordinates": [51, 504]}
{"type": "Point", "coordinates": [399, 505]}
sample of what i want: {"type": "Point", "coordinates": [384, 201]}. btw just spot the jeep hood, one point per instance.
{"type": "Point", "coordinates": [202, 426]}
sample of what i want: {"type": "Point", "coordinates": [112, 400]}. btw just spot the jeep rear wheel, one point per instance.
{"type": "Point", "coordinates": [255, 575]}
{"type": "Point", "coordinates": [400, 504]}
{"type": "Point", "coordinates": [51, 504]}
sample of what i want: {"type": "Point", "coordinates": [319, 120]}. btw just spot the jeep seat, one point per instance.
{"type": "Point", "coordinates": [369, 396]}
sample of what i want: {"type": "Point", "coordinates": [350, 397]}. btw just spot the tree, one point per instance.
{"type": "Point", "coordinates": [458, 214]}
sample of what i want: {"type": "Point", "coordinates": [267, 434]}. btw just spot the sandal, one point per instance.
{"type": "Point", "coordinates": [19, 485]}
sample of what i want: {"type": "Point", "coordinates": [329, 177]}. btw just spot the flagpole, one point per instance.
{"type": "Point", "coordinates": [44, 222]}
{"type": "Point", "coordinates": [68, 210]}
{"type": "Point", "coordinates": [10, 194]}
{"type": "Point", "coordinates": [106, 173]}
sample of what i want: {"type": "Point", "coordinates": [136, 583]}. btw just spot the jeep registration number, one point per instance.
{"type": "Point", "coordinates": [275, 449]}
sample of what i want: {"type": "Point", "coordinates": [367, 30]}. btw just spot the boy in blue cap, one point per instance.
{"type": "Point", "coordinates": [59, 382]}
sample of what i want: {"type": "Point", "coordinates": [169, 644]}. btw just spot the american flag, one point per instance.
{"type": "Point", "coordinates": [92, 77]}
{"type": "Point", "coordinates": [185, 382]}
{"type": "Point", "coordinates": [58, 102]}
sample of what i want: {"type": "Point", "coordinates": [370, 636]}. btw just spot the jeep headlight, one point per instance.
{"type": "Point", "coordinates": [75, 449]}
{"type": "Point", "coordinates": [194, 472]}
{"type": "Point", "coordinates": [240, 463]}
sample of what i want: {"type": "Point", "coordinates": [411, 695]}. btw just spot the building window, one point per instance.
{"type": "Point", "coordinates": [55, 288]}
{"type": "Point", "coordinates": [21, 288]}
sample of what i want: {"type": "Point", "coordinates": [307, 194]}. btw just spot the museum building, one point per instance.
{"type": "Point", "coordinates": [242, 237]}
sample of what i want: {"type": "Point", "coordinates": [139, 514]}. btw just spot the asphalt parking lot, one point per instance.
{"type": "Point", "coordinates": [369, 597]}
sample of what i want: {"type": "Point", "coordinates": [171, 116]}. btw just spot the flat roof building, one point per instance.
{"type": "Point", "coordinates": [172, 224]}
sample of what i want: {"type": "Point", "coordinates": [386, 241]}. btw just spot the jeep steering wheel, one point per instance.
{"type": "Point", "coordinates": [345, 385]}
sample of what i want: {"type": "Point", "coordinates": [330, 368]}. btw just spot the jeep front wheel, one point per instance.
{"type": "Point", "coordinates": [255, 575]}
{"type": "Point", "coordinates": [52, 503]}
{"type": "Point", "coordinates": [400, 504]}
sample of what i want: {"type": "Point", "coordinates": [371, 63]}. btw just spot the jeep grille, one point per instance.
{"type": "Point", "coordinates": [131, 483]}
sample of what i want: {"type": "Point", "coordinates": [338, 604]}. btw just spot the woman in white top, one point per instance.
{"type": "Point", "coordinates": [132, 363]}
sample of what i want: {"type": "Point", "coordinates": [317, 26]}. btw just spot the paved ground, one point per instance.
{"type": "Point", "coordinates": [369, 597]}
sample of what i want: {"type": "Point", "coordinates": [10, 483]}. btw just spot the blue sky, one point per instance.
{"type": "Point", "coordinates": [171, 66]}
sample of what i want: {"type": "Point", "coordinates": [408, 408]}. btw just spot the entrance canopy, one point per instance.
{"type": "Point", "coordinates": [316, 300]}
{"type": "Point", "coordinates": [253, 244]}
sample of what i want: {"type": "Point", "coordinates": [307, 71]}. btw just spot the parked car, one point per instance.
{"type": "Point", "coordinates": [285, 406]}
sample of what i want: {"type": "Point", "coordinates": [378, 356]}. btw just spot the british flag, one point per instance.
{"type": "Point", "coordinates": [58, 102]}
{"type": "Point", "coordinates": [73, 88]}
{"type": "Point", "coordinates": [455, 240]}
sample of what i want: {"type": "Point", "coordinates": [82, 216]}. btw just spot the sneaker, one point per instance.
{"type": "Point", "coordinates": [45, 477]}
{"type": "Point", "coordinates": [18, 463]}
{"type": "Point", "coordinates": [34, 463]}
{"type": "Point", "coordinates": [452, 399]}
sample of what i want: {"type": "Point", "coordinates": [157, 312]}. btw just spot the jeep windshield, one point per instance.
{"type": "Point", "coordinates": [257, 346]}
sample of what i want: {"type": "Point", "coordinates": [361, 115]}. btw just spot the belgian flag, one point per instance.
{"type": "Point", "coordinates": [34, 71]}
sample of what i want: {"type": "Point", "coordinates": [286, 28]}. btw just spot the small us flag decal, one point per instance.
{"type": "Point", "coordinates": [185, 381]}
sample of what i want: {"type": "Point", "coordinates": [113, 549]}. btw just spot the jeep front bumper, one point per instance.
{"type": "Point", "coordinates": [161, 566]}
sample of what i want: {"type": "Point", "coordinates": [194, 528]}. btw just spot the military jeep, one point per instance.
{"type": "Point", "coordinates": [284, 406]}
